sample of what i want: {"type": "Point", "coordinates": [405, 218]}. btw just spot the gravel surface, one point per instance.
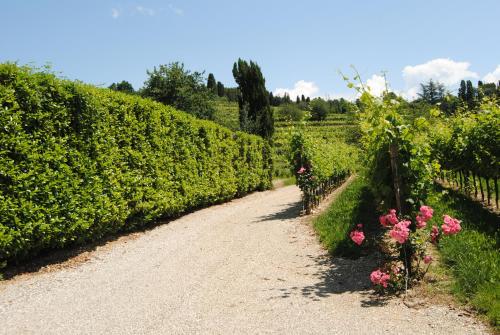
{"type": "Point", "coordinates": [251, 266]}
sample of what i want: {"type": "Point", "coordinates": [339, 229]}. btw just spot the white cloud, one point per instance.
{"type": "Point", "coordinates": [177, 11]}
{"type": "Point", "coordinates": [307, 88]}
{"type": "Point", "coordinates": [492, 77]}
{"type": "Point", "coordinates": [115, 13]}
{"type": "Point", "coordinates": [376, 84]}
{"type": "Point", "coordinates": [145, 11]}
{"type": "Point", "coordinates": [444, 70]}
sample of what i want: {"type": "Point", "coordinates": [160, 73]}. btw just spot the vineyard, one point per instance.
{"type": "Point", "coordinates": [158, 176]}
{"type": "Point", "coordinates": [336, 128]}
{"type": "Point", "coordinates": [409, 158]}
{"type": "Point", "coordinates": [467, 148]}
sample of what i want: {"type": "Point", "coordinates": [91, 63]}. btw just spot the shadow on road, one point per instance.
{"type": "Point", "coordinates": [337, 276]}
{"type": "Point", "coordinates": [292, 211]}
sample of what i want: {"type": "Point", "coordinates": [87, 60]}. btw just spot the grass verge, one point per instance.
{"type": "Point", "coordinates": [473, 255]}
{"type": "Point", "coordinates": [354, 205]}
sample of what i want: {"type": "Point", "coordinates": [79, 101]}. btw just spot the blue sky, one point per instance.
{"type": "Point", "coordinates": [300, 46]}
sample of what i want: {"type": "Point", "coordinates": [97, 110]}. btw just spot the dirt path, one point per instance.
{"type": "Point", "coordinates": [251, 266]}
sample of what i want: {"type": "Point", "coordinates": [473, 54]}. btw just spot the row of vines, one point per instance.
{"type": "Point", "coordinates": [78, 162]}
{"type": "Point", "coordinates": [405, 158]}
{"type": "Point", "coordinates": [467, 147]}
{"type": "Point", "coordinates": [320, 166]}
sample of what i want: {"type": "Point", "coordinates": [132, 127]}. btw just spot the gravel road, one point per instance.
{"type": "Point", "coordinates": [251, 266]}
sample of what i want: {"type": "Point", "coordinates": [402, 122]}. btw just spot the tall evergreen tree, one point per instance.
{"type": "Point", "coordinates": [480, 91]}
{"type": "Point", "coordinates": [271, 99]}
{"type": "Point", "coordinates": [462, 91]}
{"type": "Point", "coordinates": [286, 98]}
{"type": "Point", "coordinates": [253, 99]}
{"type": "Point", "coordinates": [303, 98]}
{"type": "Point", "coordinates": [470, 95]}
{"type": "Point", "coordinates": [432, 92]}
{"type": "Point", "coordinates": [211, 83]}
{"type": "Point", "coordinates": [297, 100]}
{"type": "Point", "coordinates": [220, 89]}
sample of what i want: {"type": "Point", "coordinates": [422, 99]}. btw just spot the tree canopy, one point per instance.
{"type": "Point", "coordinates": [253, 99]}
{"type": "Point", "coordinates": [173, 85]}
{"type": "Point", "coordinates": [123, 86]}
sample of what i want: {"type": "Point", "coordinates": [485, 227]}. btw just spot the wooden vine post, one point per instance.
{"type": "Point", "coordinates": [405, 253]}
{"type": "Point", "coordinates": [393, 150]}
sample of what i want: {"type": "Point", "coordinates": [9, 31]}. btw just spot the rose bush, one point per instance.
{"type": "Point", "coordinates": [411, 240]}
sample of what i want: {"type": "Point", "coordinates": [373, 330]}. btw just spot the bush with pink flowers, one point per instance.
{"type": "Point", "coordinates": [410, 241]}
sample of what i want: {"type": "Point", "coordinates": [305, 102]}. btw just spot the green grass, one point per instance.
{"type": "Point", "coordinates": [354, 205]}
{"type": "Point", "coordinates": [289, 181]}
{"type": "Point", "coordinates": [473, 255]}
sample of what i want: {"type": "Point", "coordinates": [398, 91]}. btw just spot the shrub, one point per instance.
{"type": "Point", "coordinates": [291, 112]}
{"type": "Point", "coordinates": [79, 162]}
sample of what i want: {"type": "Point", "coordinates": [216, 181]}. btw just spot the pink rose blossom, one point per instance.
{"type": "Point", "coordinates": [426, 213]}
{"type": "Point", "coordinates": [434, 234]}
{"type": "Point", "coordinates": [357, 236]}
{"type": "Point", "coordinates": [389, 219]}
{"type": "Point", "coordinates": [421, 223]}
{"type": "Point", "coordinates": [359, 225]}
{"type": "Point", "coordinates": [450, 226]}
{"type": "Point", "coordinates": [400, 231]}
{"type": "Point", "coordinates": [427, 259]}
{"type": "Point", "coordinates": [378, 277]}
{"type": "Point", "coordinates": [301, 170]}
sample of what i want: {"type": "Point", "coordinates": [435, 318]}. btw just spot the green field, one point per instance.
{"type": "Point", "coordinates": [336, 127]}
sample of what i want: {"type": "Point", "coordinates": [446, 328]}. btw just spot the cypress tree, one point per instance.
{"type": "Point", "coordinates": [470, 95]}
{"type": "Point", "coordinates": [253, 99]}
{"type": "Point", "coordinates": [303, 98]}
{"type": "Point", "coordinates": [462, 91]}
{"type": "Point", "coordinates": [271, 99]}
{"type": "Point", "coordinates": [211, 83]}
{"type": "Point", "coordinates": [297, 100]}
{"type": "Point", "coordinates": [480, 91]}
{"type": "Point", "coordinates": [220, 89]}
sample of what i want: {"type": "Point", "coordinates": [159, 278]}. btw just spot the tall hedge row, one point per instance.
{"type": "Point", "coordinates": [79, 162]}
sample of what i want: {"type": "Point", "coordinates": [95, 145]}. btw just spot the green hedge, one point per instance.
{"type": "Point", "coordinates": [78, 162]}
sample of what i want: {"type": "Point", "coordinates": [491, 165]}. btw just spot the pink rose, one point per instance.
{"type": "Point", "coordinates": [389, 219]}
{"type": "Point", "coordinates": [421, 223]}
{"type": "Point", "coordinates": [400, 231]}
{"type": "Point", "coordinates": [378, 277]}
{"type": "Point", "coordinates": [301, 170]}
{"type": "Point", "coordinates": [392, 217]}
{"type": "Point", "coordinates": [426, 213]}
{"type": "Point", "coordinates": [357, 236]}
{"type": "Point", "coordinates": [450, 226]}
{"type": "Point", "coordinates": [427, 259]}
